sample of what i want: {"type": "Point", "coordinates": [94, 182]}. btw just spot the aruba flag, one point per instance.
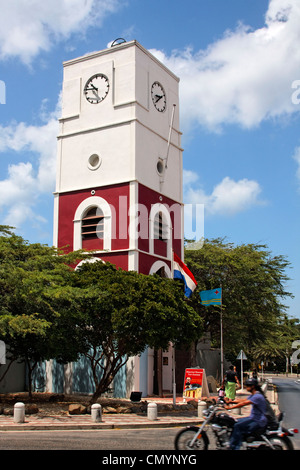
{"type": "Point", "coordinates": [211, 297]}
{"type": "Point", "coordinates": [182, 272]}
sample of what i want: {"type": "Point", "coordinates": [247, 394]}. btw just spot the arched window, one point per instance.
{"type": "Point", "coordinates": [93, 225]}
{"type": "Point", "coordinates": [160, 232]}
{"type": "Point", "coordinates": [161, 227]}
{"type": "Point", "coordinates": [92, 229]}
{"type": "Point", "coordinates": [161, 268]}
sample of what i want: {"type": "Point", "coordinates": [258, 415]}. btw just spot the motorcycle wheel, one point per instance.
{"type": "Point", "coordinates": [185, 437]}
{"type": "Point", "coordinates": [281, 443]}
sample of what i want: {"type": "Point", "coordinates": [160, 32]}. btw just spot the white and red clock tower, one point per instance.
{"type": "Point", "coordinates": [119, 172]}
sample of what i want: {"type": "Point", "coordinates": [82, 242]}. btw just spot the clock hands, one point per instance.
{"type": "Point", "coordinates": [96, 94]}
{"type": "Point", "coordinates": [93, 89]}
{"type": "Point", "coordinates": [96, 88]}
{"type": "Point", "coordinates": [158, 97]}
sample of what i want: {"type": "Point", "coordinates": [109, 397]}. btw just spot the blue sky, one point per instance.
{"type": "Point", "coordinates": [238, 61]}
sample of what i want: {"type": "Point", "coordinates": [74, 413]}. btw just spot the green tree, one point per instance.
{"type": "Point", "coordinates": [32, 278]}
{"type": "Point", "coordinates": [277, 348]}
{"type": "Point", "coordinates": [49, 310]}
{"type": "Point", "coordinates": [120, 313]}
{"type": "Point", "coordinates": [253, 285]}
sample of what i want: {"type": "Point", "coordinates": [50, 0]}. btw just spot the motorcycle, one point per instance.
{"type": "Point", "coordinates": [273, 437]}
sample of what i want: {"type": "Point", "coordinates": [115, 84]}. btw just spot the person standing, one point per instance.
{"type": "Point", "coordinates": [231, 382]}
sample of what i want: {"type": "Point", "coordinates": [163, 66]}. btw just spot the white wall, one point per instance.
{"type": "Point", "coordinates": [125, 129]}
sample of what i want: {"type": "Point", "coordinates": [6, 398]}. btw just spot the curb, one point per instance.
{"type": "Point", "coordinates": [114, 421]}
{"type": "Point", "coordinates": [136, 422]}
{"type": "Point", "coordinates": [90, 427]}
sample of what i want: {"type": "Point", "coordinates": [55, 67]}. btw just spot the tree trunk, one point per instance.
{"type": "Point", "coordinates": [159, 373]}
{"type": "Point", "coordinates": [30, 371]}
{"type": "Point", "coordinates": [29, 379]}
{"type": "Point", "coordinates": [109, 371]}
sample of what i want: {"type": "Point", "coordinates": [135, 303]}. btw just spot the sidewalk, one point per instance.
{"type": "Point", "coordinates": [112, 421]}
{"type": "Point", "coordinates": [84, 422]}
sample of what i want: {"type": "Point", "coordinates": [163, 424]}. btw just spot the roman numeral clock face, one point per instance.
{"type": "Point", "coordinates": [96, 88]}
{"type": "Point", "coordinates": [158, 95]}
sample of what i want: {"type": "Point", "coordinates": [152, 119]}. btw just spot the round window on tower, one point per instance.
{"type": "Point", "coordinates": [94, 162]}
{"type": "Point", "coordinates": [160, 166]}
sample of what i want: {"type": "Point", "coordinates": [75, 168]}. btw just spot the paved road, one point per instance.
{"type": "Point", "coordinates": [117, 439]}
{"type": "Point", "coordinates": [289, 403]}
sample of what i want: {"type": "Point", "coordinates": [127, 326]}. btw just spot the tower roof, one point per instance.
{"type": "Point", "coordinates": [119, 47]}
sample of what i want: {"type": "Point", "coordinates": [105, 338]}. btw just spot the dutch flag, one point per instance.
{"type": "Point", "coordinates": [182, 272]}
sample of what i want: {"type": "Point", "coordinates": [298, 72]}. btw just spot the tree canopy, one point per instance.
{"type": "Point", "coordinates": [49, 310]}
{"type": "Point", "coordinates": [31, 275]}
{"type": "Point", "coordinates": [121, 313]}
{"type": "Point", "coordinates": [254, 290]}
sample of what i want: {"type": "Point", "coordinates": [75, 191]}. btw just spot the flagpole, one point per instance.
{"type": "Point", "coordinates": [170, 133]}
{"type": "Point", "coordinates": [173, 375]}
{"type": "Point", "coordinates": [222, 365]}
{"type": "Point", "coordinates": [221, 327]}
{"type": "Point", "coordinates": [173, 349]}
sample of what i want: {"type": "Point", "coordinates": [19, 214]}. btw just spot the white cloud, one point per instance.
{"type": "Point", "coordinates": [245, 77]}
{"type": "Point", "coordinates": [17, 194]}
{"type": "Point", "coordinates": [227, 198]}
{"type": "Point", "coordinates": [41, 140]}
{"type": "Point", "coordinates": [189, 177]}
{"type": "Point", "coordinates": [28, 27]}
{"type": "Point", "coordinates": [26, 181]}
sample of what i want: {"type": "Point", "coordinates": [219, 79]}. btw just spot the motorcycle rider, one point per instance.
{"type": "Point", "coordinates": [257, 419]}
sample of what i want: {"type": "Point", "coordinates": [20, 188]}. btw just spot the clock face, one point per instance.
{"type": "Point", "coordinates": [158, 95]}
{"type": "Point", "coordinates": [96, 88]}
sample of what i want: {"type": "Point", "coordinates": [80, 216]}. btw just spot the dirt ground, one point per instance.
{"type": "Point", "coordinates": [58, 404]}
{"type": "Point", "coordinates": [51, 404]}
